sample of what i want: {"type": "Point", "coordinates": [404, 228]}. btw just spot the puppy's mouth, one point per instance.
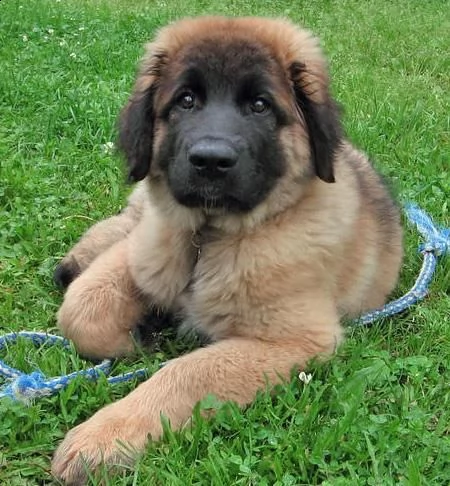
{"type": "Point", "coordinates": [212, 198]}
{"type": "Point", "coordinates": [216, 195]}
{"type": "Point", "coordinates": [212, 201]}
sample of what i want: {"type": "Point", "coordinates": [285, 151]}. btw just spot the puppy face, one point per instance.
{"type": "Point", "coordinates": [225, 109]}
{"type": "Point", "coordinates": [222, 119]}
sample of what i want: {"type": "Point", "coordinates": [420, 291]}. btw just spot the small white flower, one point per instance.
{"type": "Point", "coordinates": [62, 43]}
{"type": "Point", "coordinates": [72, 55]}
{"type": "Point", "coordinates": [108, 147]}
{"type": "Point", "coordinates": [81, 28]}
{"type": "Point", "coordinates": [25, 38]}
{"type": "Point", "coordinates": [50, 31]}
{"type": "Point", "coordinates": [306, 378]}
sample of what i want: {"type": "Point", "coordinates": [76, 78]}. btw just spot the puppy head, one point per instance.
{"type": "Point", "coordinates": [225, 109]}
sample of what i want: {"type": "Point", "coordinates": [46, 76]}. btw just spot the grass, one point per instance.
{"type": "Point", "coordinates": [379, 412]}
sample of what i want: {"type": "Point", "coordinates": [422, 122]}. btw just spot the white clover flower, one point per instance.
{"type": "Point", "coordinates": [305, 377]}
{"type": "Point", "coordinates": [108, 148]}
{"type": "Point", "coordinates": [50, 31]}
{"type": "Point", "coordinates": [25, 38]}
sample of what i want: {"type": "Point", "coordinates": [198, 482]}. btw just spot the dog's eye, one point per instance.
{"type": "Point", "coordinates": [186, 100]}
{"type": "Point", "coordinates": [259, 105]}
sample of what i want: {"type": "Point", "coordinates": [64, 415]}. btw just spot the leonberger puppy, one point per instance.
{"type": "Point", "coordinates": [255, 221]}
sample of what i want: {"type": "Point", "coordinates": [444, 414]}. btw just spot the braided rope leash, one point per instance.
{"type": "Point", "coordinates": [25, 387]}
{"type": "Point", "coordinates": [437, 243]}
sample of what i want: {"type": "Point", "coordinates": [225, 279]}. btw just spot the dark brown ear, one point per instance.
{"type": "Point", "coordinates": [136, 133]}
{"type": "Point", "coordinates": [321, 116]}
{"type": "Point", "coordinates": [136, 121]}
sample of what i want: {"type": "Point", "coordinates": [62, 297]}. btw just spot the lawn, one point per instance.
{"type": "Point", "coordinates": [379, 412]}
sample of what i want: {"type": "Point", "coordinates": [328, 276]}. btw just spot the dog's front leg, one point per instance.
{"type": "Point", "coordinates": [233, 369]}
{"type": "Point", "coordinates": [102, 306]}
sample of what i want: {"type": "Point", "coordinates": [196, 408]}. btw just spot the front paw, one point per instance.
{"type": "Point", "coordinates": [99, 318]}
{"type": "Point", "coordinates": [114, 436]}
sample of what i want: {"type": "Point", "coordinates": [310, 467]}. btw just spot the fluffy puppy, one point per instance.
{"type": "Point", "coordinates": [262, 227]}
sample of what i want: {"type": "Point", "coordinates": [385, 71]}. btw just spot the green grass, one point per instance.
{"type": "Point", "coordinates": [379, 412]}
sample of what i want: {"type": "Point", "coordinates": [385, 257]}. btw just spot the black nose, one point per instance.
{"type": "Point", "coordinates": [212, 158]}
{"type": "Point", "coordinates": [65, 273]}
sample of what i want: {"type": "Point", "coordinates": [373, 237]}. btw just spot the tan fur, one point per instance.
{"type": "Point", "coordinates": [269, 287]}
{"type": "Point", "coordinates": [102, 306]}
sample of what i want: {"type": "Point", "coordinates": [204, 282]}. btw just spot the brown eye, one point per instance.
{"type": "Point", "coordinates": [186, 101]}
{"type": "Point", "coordinates": [259, 106]}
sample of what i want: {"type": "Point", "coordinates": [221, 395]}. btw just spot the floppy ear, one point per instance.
{"type": "Point", "coordinates": [321, 116]}
{"type": "Point", "coordinates": [136, 121]}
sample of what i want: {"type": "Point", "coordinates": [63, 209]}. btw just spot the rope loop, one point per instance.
{"type": "Point", "coordinates": [437, 239]}
{"type": "Point", "coordinates": [25, 387]}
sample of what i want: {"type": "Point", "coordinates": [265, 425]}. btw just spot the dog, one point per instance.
{"type": "Point", "coordinates": [253, 218]}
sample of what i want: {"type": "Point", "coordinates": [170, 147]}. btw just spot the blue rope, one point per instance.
{"type": "Point", "coordinates": [437, 243]}
{"type": "Point", "coordinates": [25, 387]}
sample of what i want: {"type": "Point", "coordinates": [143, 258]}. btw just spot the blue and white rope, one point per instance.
{"type": "Point", "coordinates": [25, 387]}
{"type": "Point", "coordinates": [437, 243]}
